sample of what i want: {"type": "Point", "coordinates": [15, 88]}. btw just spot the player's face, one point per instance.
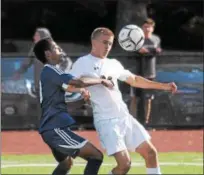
{"type": "Point", "coordinates": [102, 45]}
{"type": "Point", "coordinates": [36, 37]}
{"type": "Point", "coordinates": [148, 28]}
{"type": "Point", "coordinates": [54, 54]}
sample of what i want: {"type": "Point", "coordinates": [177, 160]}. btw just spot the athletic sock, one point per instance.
{"type": "Point", "coordinates": [92, 166]}
{"type": "Point", "coordinates": [154, 170]}
{"type": "Point", "coordinates": [61, 169]}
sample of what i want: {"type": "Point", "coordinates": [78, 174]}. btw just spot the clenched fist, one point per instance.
{"type": "Point", "coordinates": [107, 83]}
{"type": "Point", "coordinates": [172, 87]}
{"type": "Point", "coordinates": [86, 94]}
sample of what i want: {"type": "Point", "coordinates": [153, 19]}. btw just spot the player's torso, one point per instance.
{"type": "Point", "coordinates": [151, 43]}
{"type": "Point", "coordinates": [104, 101]}
{"type": "Point", "coordinates": [149, 61]}
{"type": "Point", "coordinates": [51, 95]}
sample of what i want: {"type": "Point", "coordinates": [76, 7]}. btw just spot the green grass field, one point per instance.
{"type": "Point", "coordinates": [171, 163]}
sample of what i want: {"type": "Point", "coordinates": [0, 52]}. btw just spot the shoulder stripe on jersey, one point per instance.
{"type": "Point", "coordinates": [60, 72]}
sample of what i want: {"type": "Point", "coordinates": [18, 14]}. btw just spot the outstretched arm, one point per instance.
{"type": "Point", "coordinates": [59, 78]}
{"type": "Point", "coordinates": [77, 85]}
{"type": "Point", "coordinates": [140, 82]}
{"type": "Point", "coordinates": [86, 81]}
{"type": "Point", "coordinates": [27, 62]}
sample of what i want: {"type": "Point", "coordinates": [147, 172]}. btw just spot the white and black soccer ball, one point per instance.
{"type": "Point", "coordinates": [131, 38]}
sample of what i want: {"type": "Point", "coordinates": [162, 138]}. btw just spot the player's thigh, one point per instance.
{"type": "Point", "coordinates": [90, 151]}
{"type": "Point", "coordinates": [62, 157]}
{"type": "Point", "coordinates": [135, 135]}
{"type": "Point", "coordinates": [63, 143]}
{"type": "Point", "coordinates": [111, 134]}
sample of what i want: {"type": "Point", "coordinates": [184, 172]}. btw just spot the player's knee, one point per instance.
{"type": "Point", "coordinates": [98, 155]}
{"type": "Point", "coordinates": [67, 163]}
{"type": "Point", "coordinates": [64, 165]}
{"type": "Point", "coordinates": [147, 151]}
{"type": "Point", "coordinates": [151, 153]}
{"type": "Point", "coordinates": [124, 167]}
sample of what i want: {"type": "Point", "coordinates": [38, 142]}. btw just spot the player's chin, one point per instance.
{"type": "Point", "coordinates": [105, 53]}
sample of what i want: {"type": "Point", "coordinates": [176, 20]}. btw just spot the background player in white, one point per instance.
{"type": "Point", "coordinates": [118, 130]}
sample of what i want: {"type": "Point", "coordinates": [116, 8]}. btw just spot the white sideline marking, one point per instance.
{"type": "Point", "coordinates": [198, 159]}
{"type": "Point", "coordinates": [104, 164]}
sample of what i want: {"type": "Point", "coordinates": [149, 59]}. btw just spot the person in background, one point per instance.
{"type": "Point", "coordinates": [64, 64]}
{"type": "Point", "coordinates": [146, 67]}
{"type": "Point", "coordinates": [42, 33]}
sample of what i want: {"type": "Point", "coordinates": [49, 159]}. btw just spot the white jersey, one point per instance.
{"type": "Point", "coordinates": [106, 103]}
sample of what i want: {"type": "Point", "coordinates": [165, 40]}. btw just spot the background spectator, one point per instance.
{"type": "Point", "coordinates": [146, 66]}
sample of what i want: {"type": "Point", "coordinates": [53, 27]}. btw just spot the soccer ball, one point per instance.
{"type": "Point", "coordinates": [131, 38]}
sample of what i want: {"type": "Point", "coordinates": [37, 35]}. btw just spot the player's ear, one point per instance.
{"type": "Point", "coordinates": [47, 54]}
{"type": "Point", "coordinates": [152, 28]}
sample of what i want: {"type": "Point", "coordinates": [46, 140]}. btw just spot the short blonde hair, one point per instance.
{"type": "Point", "coordinates": [149, 21]}
{"type": "Point", "coordinates": [101, 31]}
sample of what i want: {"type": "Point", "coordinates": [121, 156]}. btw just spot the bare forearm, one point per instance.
{"type": "Point", "coordinates": [144, 83]}
{"type": "Point", "coordinates": [74, 89]}
{"type": "Point", "coordinates": [85, 82]}
{"type": "Point", "coordinates": [90, 81]}
{"type": "Point", "coordinates": [26, 64]}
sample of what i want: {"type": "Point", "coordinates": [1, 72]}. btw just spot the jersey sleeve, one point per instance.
{"type": "Point", "coordinates": [123, 73]}
{"type": "Point", "coordinates": [157, 40]}
{"type": "Point", "coordinates": [77, 68]}
{"type": "Point", "coordinates": [58, 77]}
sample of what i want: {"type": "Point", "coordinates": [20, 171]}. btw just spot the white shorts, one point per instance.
{"type": "Point", "coordinates": [120, 134]}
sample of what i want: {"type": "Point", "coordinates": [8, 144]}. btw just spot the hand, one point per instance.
{"type": "Point", "coordinates": [86, 94]}
{"type": "Point", "coordinates": [107, 83]}
{"type": "Point", "coordinates": [172, 87]}
{"type": "Point", "coordinates": [143, 50]}
{"type": "Point", "coordinates": [158, 50]}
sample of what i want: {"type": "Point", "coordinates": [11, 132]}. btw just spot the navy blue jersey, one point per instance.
{"type": "Point", "coordinates": [52, 98]}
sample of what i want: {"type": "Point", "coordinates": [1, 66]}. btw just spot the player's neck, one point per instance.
{"type": "Point", "coordinates": [148, 35]}
{"type": "Point", "coordinates": [97, 55]}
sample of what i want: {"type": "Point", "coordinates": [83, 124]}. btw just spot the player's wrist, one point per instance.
{"type": "Point", "coordinates": [166, 87]}
{"type": "Point", "coordinates": [101, 81]}
{"type": "Point", "coordinates": [82, 90]}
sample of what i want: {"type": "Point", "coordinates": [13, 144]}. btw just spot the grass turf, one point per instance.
{"type": "Point", "coordinates": [171, 163]}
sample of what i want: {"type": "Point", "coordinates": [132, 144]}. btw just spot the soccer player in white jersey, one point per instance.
{"type": "Point", "coordinates": [118, 131]}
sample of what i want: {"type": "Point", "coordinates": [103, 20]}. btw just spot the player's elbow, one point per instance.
{"type": "Point", "coordinates": [141, 82]}
{"type": "Point", "coordinates": [83, 82]}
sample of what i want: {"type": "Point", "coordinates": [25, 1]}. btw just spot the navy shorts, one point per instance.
{"type": "Point", "coordinates": [63, 142]}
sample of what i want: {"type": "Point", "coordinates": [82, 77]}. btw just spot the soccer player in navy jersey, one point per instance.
{"type": "Point", "coordinates": [55, 120]}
